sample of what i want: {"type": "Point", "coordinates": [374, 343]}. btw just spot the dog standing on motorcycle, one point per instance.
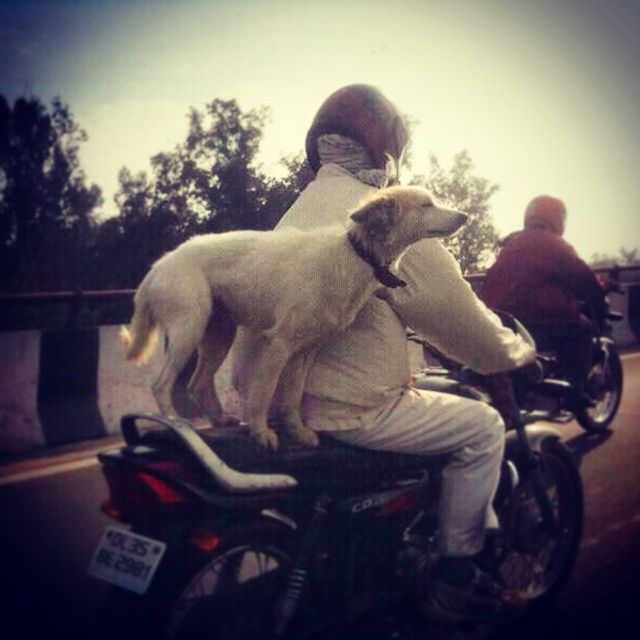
{"type": "Point", "coordinates": [539, 278]}
{"type": "Point", "coordinates": [359, 386]}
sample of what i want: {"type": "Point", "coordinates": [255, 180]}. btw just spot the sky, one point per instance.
{"type": "Point", "coordinates": [544, 95]}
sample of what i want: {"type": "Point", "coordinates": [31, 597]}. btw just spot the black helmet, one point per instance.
{"type": "Point", "coordinates": [360, 112]}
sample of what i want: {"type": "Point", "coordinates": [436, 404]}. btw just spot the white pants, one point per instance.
{"type": "Point", "coordinates": [431, 423]}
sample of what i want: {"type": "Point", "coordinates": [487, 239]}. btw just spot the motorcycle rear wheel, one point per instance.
{"type": "Point", "coordinates": [535, 561]}
{"type": "Point", "coordinates": [233, 596]}
{"type": "Point", "coordinates": [609, 394]}
{"type": "Point", "coordinates": [228, 594]}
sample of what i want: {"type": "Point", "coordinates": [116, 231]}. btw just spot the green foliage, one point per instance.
{"type": "Point", "coordinates": [46, 207]}
{"type": "Point", "coordinates": [210, 182]}
{"type": "Point", "coordinates": [457, 187]}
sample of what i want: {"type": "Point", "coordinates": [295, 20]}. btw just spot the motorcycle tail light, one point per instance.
{"type": "Point", "coordinates": [204, 540]}
{"type": "Point", "coordinates": [110, 510]}
{"type": "Point", "coordinates": [134, 492]}
{"type": "Point", "coordinates": [163, 492]}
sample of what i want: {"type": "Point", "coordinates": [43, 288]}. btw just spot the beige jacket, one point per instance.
{"type": "Point", "coordinates": [355, 376]}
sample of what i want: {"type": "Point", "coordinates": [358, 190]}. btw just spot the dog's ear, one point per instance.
{"type": "Point", "coordinates": [378, 214]}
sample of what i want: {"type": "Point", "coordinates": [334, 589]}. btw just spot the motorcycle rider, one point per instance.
{"type": "Point", "coordinates": [539, 278]}
{"type": "Point", "coordinates": [359, 386]}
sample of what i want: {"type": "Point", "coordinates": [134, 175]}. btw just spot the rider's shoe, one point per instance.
{"type": "Point", "coordinates": [480, 599]}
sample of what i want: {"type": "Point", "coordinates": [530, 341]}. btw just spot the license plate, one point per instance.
{"type": "Point", "coordinates": [126, 559]}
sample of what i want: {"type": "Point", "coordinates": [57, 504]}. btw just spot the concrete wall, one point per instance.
{"type": "Point", "coordinates": [58, 387]}
{"type": "Point", "coordinates": [20, 426]}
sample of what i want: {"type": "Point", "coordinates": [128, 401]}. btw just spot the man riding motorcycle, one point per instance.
{"type": "Point", "coordinates": [539, 278]}
{"type": "Point", "coordinates": [359, 386]}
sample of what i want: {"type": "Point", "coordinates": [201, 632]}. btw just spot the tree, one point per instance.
{"type": "Point", "coordinates": [124, 245]}
{"type": "Point", "coordinates": [46, 207]}
{"type": "Point", "coordinates": [458, 188]}
{"type": "Point", "coordinates": [625, 258]}
{"type": "Point", "coordinates": [210, 182]}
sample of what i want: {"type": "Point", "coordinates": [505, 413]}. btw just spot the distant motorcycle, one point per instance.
{"type": "Point", "coordinates": [550, 394]}
{"type": "Point", "coordinates": [604, 385]}
{"type": "Point", "coordinates": [220, 539]}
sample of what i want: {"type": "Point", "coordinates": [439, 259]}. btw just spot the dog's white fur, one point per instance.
{"type": "Point", "coordinates": [291, 288]}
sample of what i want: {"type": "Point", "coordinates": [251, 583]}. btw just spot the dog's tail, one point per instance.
{"type": "Point", "coordinates": [141, 337]}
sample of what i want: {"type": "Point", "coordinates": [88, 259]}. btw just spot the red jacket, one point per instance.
{"type": "Point", "coordinates": [539, 278]}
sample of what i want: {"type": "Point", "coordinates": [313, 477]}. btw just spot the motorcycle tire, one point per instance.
{"type": "Point", "coordinates": [534, 561]}
{"type": "Point", "coordinates": [229, 593]}
{"type": "Point", "coordinates": [599, 418]}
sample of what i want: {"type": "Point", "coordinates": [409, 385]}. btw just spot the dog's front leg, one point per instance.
{"type": "Point", "coordinates": [270, 359]}
{"type": "Point", "coordinates": [292, 388]}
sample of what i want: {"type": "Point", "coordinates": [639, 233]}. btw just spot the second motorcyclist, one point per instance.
{"type": "Point", "coordinates": [539, 278]}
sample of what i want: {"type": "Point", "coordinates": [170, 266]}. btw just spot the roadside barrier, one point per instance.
{"type": "Point", "coordinates": [20, 427]}
{"type": "Point", "coordinates": [66, 385]}
{"type": "Point", "coordinates": [63, 385]}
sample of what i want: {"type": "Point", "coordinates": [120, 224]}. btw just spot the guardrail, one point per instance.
{"type": "Point", "coordinates": [118, 303]}
{"type": "Point", "coordinates": [58, 309]}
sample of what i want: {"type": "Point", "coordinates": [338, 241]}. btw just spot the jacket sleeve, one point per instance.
{"type": "Point", "coordinates": [439, 304]}
{"type": "Point", "coordinates": [577, 276]}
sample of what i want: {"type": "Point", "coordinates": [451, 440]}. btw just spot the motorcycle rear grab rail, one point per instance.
{"type": "Point", "coordinates": [222, 474]}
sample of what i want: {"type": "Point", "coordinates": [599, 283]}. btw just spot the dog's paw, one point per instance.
{"type": "Point", "coordinates": [307, 437]}
{"type": "Point", "coordinates": [266, 438]}
{"type": "Point", "coordinates": [302, 435]}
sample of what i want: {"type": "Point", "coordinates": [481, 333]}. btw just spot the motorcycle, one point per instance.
{"type": "Point", "coordinates": [218, 538]}
{"type": "Point", "coordinates": [604, 385]}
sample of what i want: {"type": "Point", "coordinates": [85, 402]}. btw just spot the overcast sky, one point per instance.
{"type": "Point", "coordinates": [544, 95]}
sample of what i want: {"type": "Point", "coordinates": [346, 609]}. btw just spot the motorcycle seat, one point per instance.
{"type": "Point", "coordinates": [331, 466]}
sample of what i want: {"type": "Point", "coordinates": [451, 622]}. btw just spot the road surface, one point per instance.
{"type": "Point", "coordinates": [50, 523]}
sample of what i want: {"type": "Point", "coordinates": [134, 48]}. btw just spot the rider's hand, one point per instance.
{"type": "Point", "coordinates": [532, 372]}
{"type": "Point", "coordinates": [501, 389]}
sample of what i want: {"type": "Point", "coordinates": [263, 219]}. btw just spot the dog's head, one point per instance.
{"type": "Point", "coordinates": [404, 215]}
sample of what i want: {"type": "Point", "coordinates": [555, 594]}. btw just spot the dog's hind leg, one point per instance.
{"type": "Point", "coordinates": [212, 350]}
{"type": "Point", "coordinates": [270, 358]}
{"type": "Point", "coordinates": [292, 383]}
{"type": "Point", "coordinates": [184, 334]}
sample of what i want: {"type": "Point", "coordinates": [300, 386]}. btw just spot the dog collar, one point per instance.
{"type": "Point", "coordinates": [380, 271]}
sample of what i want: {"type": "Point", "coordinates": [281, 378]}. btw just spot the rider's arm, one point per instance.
{"type": "Point", "coordinates": [579, 278]}
{"type": "Point", "coordinates": [439, 304]}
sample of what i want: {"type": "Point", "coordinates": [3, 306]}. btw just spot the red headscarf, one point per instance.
{"type": "Point", "coordinates": [547, 211]}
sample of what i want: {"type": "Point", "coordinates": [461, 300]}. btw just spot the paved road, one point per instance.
{"type": "Point", "coordinates": [50, 522]}
{"type": "Point", "coordinates": [603, 594]}
{"type": "Point", "coordinates": [49, 529]}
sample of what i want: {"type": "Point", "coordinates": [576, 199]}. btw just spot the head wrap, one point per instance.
{"type": "Point", "coordinates": [360, 112]}
{"type": "Point", "coordinates": [546, 211]}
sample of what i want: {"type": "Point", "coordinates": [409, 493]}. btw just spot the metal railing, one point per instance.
{"type": "Point", "coordinates": [77, 301]}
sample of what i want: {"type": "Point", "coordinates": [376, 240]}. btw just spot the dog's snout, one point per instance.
{"type": "Point", "coordinates": [460, 218]}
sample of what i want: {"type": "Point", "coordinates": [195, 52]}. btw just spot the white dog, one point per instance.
{"type": "Point", "coordinates": [291, 288]}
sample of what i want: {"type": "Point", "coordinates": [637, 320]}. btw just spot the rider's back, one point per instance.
{"type": "Point", "coordinates": [538, 277]}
